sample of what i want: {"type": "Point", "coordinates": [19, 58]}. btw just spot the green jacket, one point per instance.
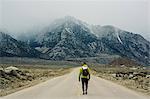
{"type": "Point", "coordinates": [81, 75]}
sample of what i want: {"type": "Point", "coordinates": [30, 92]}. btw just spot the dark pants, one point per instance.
{"type": "Point", "coordinates": [84, 84]}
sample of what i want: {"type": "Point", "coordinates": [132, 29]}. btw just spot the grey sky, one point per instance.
{"type": "Point", "coordinates": [19, 16]}
{"type": "Point", "coordinates": [149, 18]}
{"type": "Point", "coordinates": [0, 14]}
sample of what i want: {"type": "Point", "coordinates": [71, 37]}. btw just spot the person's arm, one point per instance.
{"type": "Point", "coordinates": [89, 73]}
{"type": "Point", "coordinates": [79, 75]}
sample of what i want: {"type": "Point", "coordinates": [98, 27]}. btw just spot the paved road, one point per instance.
{"type": "Point", "coordinates": [68, 87]}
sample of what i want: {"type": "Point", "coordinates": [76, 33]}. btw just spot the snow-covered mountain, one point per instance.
{"type": "Point", "coordinates": [71, 38]}
{"type": "Point", "coordinates": [66, 38]}
{"type": "Point", "coordinates": [126, 44]}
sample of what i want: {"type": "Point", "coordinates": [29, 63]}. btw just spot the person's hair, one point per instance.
{"type": "Point", "coordinates": [83, 63]}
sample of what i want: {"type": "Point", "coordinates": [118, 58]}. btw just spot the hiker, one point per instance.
{"type": "Point", "coordinates": [84, 76]}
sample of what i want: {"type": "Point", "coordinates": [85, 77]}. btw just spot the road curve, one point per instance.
{"type": "Point", "coordinates": [68, 87]}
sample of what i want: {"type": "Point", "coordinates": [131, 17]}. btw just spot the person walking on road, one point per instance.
{"type": "Point", "coordinates": [84, 76]}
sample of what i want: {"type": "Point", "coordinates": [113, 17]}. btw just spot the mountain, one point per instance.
{"type": "Point", "coordinates": [11, 47]}
{"type": "Point", "coordinates": [124, 43]}
{"type": "Point", "coordinates": [67, 38]}
{"type": "Point", "coordinates": [71, 38]}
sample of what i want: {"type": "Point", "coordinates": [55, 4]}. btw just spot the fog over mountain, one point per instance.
{"type": "Point", "coordinates": [31, 16]}
{"type": "Point", "coordinates": [149, 17]}
{"type": "Point", "coordinates": [69, 38]}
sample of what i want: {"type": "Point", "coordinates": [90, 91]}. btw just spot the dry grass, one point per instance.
{"type": "Point", "coordinates": [140, 84]}
{"type": "Point", "coordinates": [35, 75]}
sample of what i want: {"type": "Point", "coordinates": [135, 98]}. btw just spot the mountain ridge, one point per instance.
{"type": "Point", "coordinates": [71, 38]}
{"type": "Point", "coordinates": [11, 47]}
{"type": "Point", "coordinates": [68, 31]}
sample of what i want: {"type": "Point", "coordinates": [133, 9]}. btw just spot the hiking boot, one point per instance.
{"type": "Point", "coordinates": [86, 92]}
{"type": "Point", "coordinates": [83, 93]}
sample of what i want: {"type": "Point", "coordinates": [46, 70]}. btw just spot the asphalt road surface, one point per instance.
{"type": "Point", "coordinates": [68, 87]}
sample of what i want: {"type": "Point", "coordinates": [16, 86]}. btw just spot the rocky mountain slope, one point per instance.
{"type": "Point", "coordinates": [11, 47]}
{"type": "Point", "coordinates": [124, 43]}
{"type": "Point", "coordinates": [71, 38]}
{"type": "Point", "coordinates": [68, 38]}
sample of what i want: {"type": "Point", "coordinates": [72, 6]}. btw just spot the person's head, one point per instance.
{"type": "Point", "coordinates": [84, 63]}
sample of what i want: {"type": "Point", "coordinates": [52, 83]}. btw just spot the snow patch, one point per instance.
{"type": "Point", "coordinates": [119, 39]}
{"type": "Point", "coordinates": [67, 29]}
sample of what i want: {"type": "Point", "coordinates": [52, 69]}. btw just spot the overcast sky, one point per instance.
{"type": "Point", "coordinates": [19, 16]}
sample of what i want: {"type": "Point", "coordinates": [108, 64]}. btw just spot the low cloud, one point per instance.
{"type": "Point", "coordinates": [23, 16]}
